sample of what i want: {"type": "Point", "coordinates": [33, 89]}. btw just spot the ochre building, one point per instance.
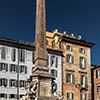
{"type": "Point", "coordinates": [95, 82]}
{"type": "Point", "coordinates": [76, 64]}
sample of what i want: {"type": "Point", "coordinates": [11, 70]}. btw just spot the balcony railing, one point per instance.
{"type": "Point", "coordinates": [83, 87]}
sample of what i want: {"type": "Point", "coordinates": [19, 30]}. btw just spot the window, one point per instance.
{"type": "Point", "coordinates": [2, 95]}
{"type": "Point", "coordinates": [21, 95]}
{"type": "Point", "coordinates": [81, 50]}
{"type": "Point", "coordinates": [70, 96]}
{"type": "Point", "coordinates": [53, 43]}
{"type": "Point", "coordinates": [3, 67]}
{"type": "Point", "coordinates": [12, 83]}
{"type": "Point", "coordinates": [13, 68]}
{"type": "Point", "coordinates": [52, 60]}
{"type": "Point", "coordinates": [83, 96]}
{"type": "Point", "coordinates": [54, 72]}
{"type": "Point", "coordinates": [82, 62]}
{"type": "Point", "coordinates": [68, 47]}
{"type": "Point", "coordinates": [21, 55]}
{"type": "Point", "coordinates": [23, 69]}
{"type": "Point", "coordinates": [98, 73]}
{"type": "Point", "coordinates": [13, 55]}
{"type": "Point", "coordinates": [98, 89]}
{"type": "Point", "coordinates": [83, 80]}
{"type": "Point", "coordinates": [69, 58]}
{"type": "Point", "coordinates": [56, 62]}
{"type": "Point", "coordinates": [70, 78]}
{"type": "Point", "coordinates": [12, 96]}
{"type": "Point", "coordinates": [3, 53]}
{"type": "Point", "coordinates": [3, 82]}
{"type": "Point", "coordinates": [22, 83]}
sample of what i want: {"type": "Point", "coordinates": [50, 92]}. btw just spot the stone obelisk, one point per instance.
{"type": "Point", "coordinates": [39, 85]}
{"type": "Point", "coordinates": [40, 37]}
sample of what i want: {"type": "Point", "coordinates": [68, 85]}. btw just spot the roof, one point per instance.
{"type": "Point", "coordinates": [77, 41]}
{"type": "Point", "coordinates": [25, 45]}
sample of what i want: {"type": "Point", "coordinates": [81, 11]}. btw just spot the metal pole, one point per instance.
{"type": "Point", "coordinates": [18, 75]}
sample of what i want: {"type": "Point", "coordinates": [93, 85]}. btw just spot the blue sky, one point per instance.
{"type": "Point", "coordinates": [81, 17]}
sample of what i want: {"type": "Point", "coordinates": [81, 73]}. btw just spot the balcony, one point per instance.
{"type": "Point", "coordinates": [83, 87]}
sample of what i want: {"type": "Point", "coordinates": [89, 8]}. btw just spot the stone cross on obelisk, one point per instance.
{"type": "Point", "coordinates": [39, 86]}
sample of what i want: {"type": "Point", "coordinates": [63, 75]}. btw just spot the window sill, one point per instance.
{"type": "Point", "coordinates": [3, 71]}
{"type": "Point", "coordinates": [13, 72]}
{"type": "Point", "coordinates": [23, 73]}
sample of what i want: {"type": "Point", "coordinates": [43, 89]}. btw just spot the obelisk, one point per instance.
{"type": "Point", "coordinates": [39, 86]}
{"type": "Point", "coordinates": [40, 37]}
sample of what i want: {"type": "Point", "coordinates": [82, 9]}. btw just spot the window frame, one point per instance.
{"type": "Point", "coordinates": [83, 96]}
{"type": "Point", "coordinates": [70, 78]}
{"type": "Point", "coordinates": [82, 50]}
{"type": "Point", "coordinates": [82, 62]}
{"type": "Point", "coordinates": [70, 95]}
{"type": "Point", "coordinates": [69, 47]}
{"type": "Point", "coordinates": [69, 58]}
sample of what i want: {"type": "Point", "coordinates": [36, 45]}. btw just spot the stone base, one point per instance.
{"type": "Point", "coordinates": [46, 98]}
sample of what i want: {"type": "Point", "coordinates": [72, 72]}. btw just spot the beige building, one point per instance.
{"type": "Point", "coordinates": [76, 64]}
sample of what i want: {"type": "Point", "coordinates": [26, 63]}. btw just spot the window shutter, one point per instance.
{"type": "Point", "coordinates": [5, 82]}
{"type": "Point", "coordinates": [0, 82]}
{"type": "Point", "coordinates": [16, 83]}
{"type": "Point", "coordinates": [25, 69]}
{"type": "Point", "coordinates": [3, 53]}
{"type": "Point", "coordinates": [72, 95]}
{"type": "Point", "coordinates": [0, 67]}
{"type": "Point", "coordinates": [66, 77]}
{"type": "Point", "coordinates": [19, 55]}
{"type": "Point", "coordinates": [23, 56]}
{"type": "Point", "coordinates": [68, 95]}
{"type": "Point", "coordinates": [5, 95]}
{"type": "Point", "coordinates": [56, 62]}
{"type": "Point", "coordinates": [16, 66]}
{"type": "Point", "coordinates": [73, 77]}
{"type": "Point", "coordinates": [13, 54]}
{"type": "Point", "coordinates": [86, 80]}
{"type": "Point", "coordinates": [96, 73]}
{"type": "Point", "coordinates": [6, 67]}
{"type": "Point", "coordinates": [10, 82]}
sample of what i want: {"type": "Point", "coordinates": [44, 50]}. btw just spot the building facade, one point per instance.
{"type": "Point", "coordinates": [16, 63]}
{"type": "Point", "coordinates": [95, 82]}
{"type": "Point", "coordinates": [76, 64]}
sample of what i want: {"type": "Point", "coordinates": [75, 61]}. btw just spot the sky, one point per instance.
{"type": "Point", "coordinates": [81, 17]}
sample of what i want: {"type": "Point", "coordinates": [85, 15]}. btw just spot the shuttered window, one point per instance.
{"type": "Point", "coordinates": [69, 58]}
{"type": "Point", "coordinates": [83, 96]}
{"type": "Point", "coordinates": [13, 55]}
{"type": "Point", "coordinates": [82, 62]}
{"type": "Point", "coordinates": [13, 83]}
{"type": "Point", "coordinates": [70, 96]}
{"type": "Point", "coordinates": [3, 82]}
{"type": "Point", "coordinates": [3, 67]}
{"type": "Point", "coordinates": [21, 55]}
{"type": "Point", "coordinates": [70, 78]}
{"type": "Point", "coordinates": [23, 69]}
{"type": "Point", "coordinates": [3, 95]}
{"type": "Point", "coordinates": [3, 53]}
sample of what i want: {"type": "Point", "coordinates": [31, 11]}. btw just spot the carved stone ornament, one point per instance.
{"type": "Point", "coordinates": [31, 90]}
